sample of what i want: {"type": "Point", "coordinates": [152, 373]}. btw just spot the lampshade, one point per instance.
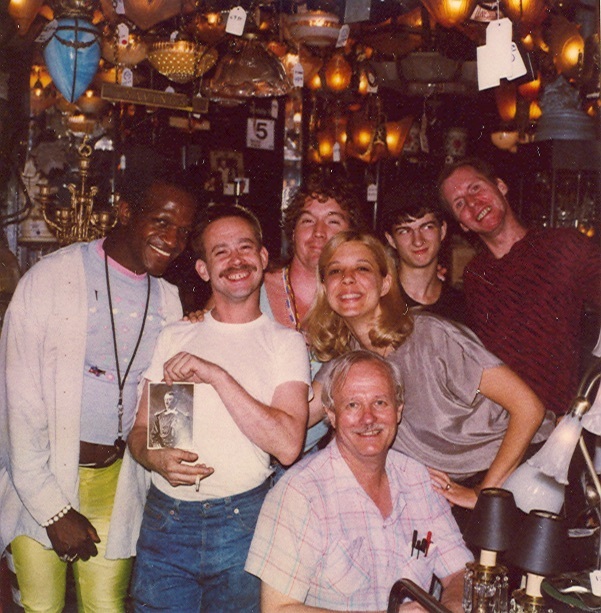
{"type": "Point", "coordinates": [534, 490]}
{"type": "Point", "coordinates": [209, 27]}
{"type": "Point", "coordinates": [396, 134]}
{"type": "Point", "coordinates": [338, 73]}
{"type": "Point", "coordinates": [23, 13]}
{"type": "Point", "coordinates": [181, 61]}
{"type": "Point", "coordinates": [531, 89]}
{"type": "Point", "coordinates": [314, 28]}
{"type": "Point", "coordinates": [540, 544]}
{"type": "Point", "coordinates": [449, 13]}
{"type": "Point", "coordinates": [493, 521]}
{"type": "Point", "coordinates": [146, 14]}
{"type": "Point", "coordinates": [566, 45]}
{"type": "Point", "coordinates": [553, 459]}
{"type": "Point", "coordinates": [525, 12]}
{"type": "Point", "coordinates": [249, 70]}
{"type": "Point", "coordinates": [506, 99]}
{"type": "Point", "coordinates": [131, 53]}
{"type": "Point", "coordinates": [506, 140]}
{"type": "Point", "coordinates": [72, 56]}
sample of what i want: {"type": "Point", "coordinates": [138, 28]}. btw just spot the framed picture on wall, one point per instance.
{"type": "Point", "coordinates": [226, 165]}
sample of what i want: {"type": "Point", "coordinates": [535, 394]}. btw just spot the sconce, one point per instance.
{"type": "Point", "coordinates": [79, 221]}
{"type": "Point", "coordinates": [490, 529]}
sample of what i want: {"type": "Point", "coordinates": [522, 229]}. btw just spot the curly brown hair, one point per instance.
{"type": "Point", "coordinates": [328, 333]}
{"type": "Point", "coordinates": [322, 188]}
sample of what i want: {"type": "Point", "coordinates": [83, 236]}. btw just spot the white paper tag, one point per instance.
{"type": "Point", "coordinates": [372, 83]}
{"type": "Point", "coordinates": [235, 21]}
{"type": "Point", "coordinates": [48, 32]}
{"type": "Point", "coordinates": [169, 89]}
{"type": "Point", "coordinates": [423, 136]}
{"type": "Point", "coordinates": [498, 39]}
{"type": "Point", "coordinates": [260, 133]}
{"type": "Point", "coordinates": [518, 68]}
{"type": "Point", "coordinates": [127, 77]}
{"type": "Point", "coordinates": [488, 75]}
{"type": "Point", "coordinates": [120, 7]}
{"type": "Point", "coordinates": [275, 107]}
{"type": "Point", "coordinates": [596, 582]}
{"type": "Point", "coordinates": [122, 34]}
{"type": "Point", "coordinates": [343, 35]}
{"type": "Point", "coordinates": [336, 152]}
{"type": "Point", "coordinates": [298, 75]}
{"type": "Point", "coordinates": [372, 192]}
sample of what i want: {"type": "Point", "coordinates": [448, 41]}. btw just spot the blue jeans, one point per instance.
{"type": "Point", "coordinates": [191, 555]}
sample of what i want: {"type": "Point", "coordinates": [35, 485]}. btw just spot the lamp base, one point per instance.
{"type": "Point", "coordinates": [525, 603]}
{"type": "Point", "coordinates": [485, 589]}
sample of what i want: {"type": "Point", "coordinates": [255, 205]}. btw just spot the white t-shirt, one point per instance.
{"type": "Point", "coordinates": [260, 355]}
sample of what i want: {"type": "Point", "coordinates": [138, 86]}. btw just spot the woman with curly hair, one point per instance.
{"type": "Point", "coordinates": [468, 417]}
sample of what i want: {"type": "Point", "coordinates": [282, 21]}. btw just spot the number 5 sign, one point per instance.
{"type": "Point", "coordinates": [260, 133]}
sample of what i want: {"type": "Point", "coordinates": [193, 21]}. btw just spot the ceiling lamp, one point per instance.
{"type": "Point", "coordinates": [338, 73]}
{"type": "Point", "coordinates": [39, 75]}
{"type": "Point", "coordinates": [396, 134]}
{"type": "Point", "coordinates": [208, 28]}
{"type": "Point", "coordinates": [91, 103]}
{"type": "Point", "coordinates": [72, 55]}
{"type": "Point", "coordinates": [181, 61]}
{"type": "Point", "coordinates": [506, 140]}
{"type": "Point", "coordinates": [129, 54]}
{"type": "Point", "coordinates": [531, 89]}
{"type": "Point", "coordinates": [534, 111]}
{"type": "Point", "coordinates": [147, 13]}
{"type": "Point", "coordinates": [525, 12]}
{"type": "Point", "coordinates": [23, 13]}
{"type": "Point", "coordinates": [450, 13]}
{"type": "Point", "coordinates": [314, 28]}
{"type": "Point", "coordinates": [566, 46]}
{"type": "Point", "coordinates": [506, 98]}
{"type": "Point", "coordinates": [331, 141]}
{"type": "Point", "coordinates": [248, 70]}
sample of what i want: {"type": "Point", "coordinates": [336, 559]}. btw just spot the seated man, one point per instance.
{"type": "Point", "coordinates": [415, 228]}
{"type": "Point", "coordinates": [345, 523]}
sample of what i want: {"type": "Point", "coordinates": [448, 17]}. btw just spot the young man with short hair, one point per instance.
{"type": "Point", "coordinates": [415, 228]}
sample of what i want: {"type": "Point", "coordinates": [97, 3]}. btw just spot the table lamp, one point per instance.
{"type": "Point", "coordinates": [490, 527]}
{"type": "Point", "coordinates": [538, 548]}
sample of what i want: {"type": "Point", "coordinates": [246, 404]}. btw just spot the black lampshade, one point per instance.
{"type": "Point", "coordinates": [493, 521]}
{"type": "Point", "coordinates": [540, 544]}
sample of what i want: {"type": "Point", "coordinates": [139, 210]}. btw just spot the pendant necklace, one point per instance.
{"type": "Point", "coordinates": [119, 442]}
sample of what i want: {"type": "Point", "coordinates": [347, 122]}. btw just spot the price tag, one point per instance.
{"type": "Point", "coordinates": [127, 77]}
{"type": "Point", "coordinates": [372, 83]}
{"type": "Point", "coordinates": [260, 133]}
{"type": "Point", "coordinates": [372, 192]}
{"type": "Point", "coordinates": [336, 152]}
{"type": "Point", "coordinates": [343, 35]}
{"type": "Point", "coordinates": [122, 34]}
{"type": "Point", "coordinates": [498, 40]}
{"type": "Point", "coordinates": [173, 36]}
{"type": "Point", "coordinates": [518, 68]}
{"type": "Point", "coordinates": [488, 75]}
{"type": "Point", "coordinates": [274, 108]}
{"type": "Point", "coordinates": [48, 32]}
{"type": "Point", "coordinates": [120, 7]}
{"type": "Point", "coordinates": [298, 75]}
{"type": "Point", "coordinates": [235, 21]}
{"type": "Point", "coordinates": [423, 135]}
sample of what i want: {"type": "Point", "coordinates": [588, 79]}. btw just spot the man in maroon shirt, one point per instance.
{"type": "Point", "coordinates": [527, 289]}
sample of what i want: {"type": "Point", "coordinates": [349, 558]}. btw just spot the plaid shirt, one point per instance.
{"type": "Point", "coordinates": [322, 541]}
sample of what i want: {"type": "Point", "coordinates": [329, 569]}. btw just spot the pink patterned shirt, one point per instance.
{"type": "Point", "coordinates": [322, 541]}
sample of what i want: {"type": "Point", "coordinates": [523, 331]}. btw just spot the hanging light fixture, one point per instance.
{"type": "Point", "coordinates": [338, 73]}
{"type": "Point", "coordinates": [91, 103]}
{"type": "Point", "coordinates": [147, 14]}
{"type": "Point", "coordinates": [566, 46]}
{"type": "Point", "coordinates": [208, 28]}
{"type": "Point", "coordinates": [23, 13]}
{"type": "Point", "coordinates": [531, 89]}
{"type": "Point", "coordinates": [396, 134]}
{"type": "Point", "coordinates": [525, 12]}
{"type": "Point", "coordinates": [450, 13]}
{"type": "Point", "coordinates": [130, 53]}
{"type": "Point", "coordinates": [313, 28]}
{"type": "Point", "coordinates": [181, 61]}
{"type": "Point", "coordinates": [248, 70]}
{"type": "Point", "coordinates": [72, 55]}
{"type": "Point", "coordinates": [506, 98]}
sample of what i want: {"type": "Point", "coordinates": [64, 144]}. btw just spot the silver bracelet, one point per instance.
{"type": "Point", "coordinates": [58, 516]}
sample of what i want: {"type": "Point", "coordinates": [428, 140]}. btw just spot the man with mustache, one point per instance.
{"type": "Point", "coordinates": [342, 525]}
{"type": "Point", "coordinates": [78, 334]}
{"type": "Point", "coordinates": [251, 379]}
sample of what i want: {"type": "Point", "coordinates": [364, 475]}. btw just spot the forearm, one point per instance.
{"type": "Point", "coordinates": [452, 594]}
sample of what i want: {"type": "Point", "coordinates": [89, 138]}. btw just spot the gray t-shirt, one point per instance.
{"type": "Point", "coordinates": [447, 424]}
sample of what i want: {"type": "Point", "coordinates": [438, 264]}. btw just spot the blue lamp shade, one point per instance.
{"type": "Point", "coordinates": [72, 56]}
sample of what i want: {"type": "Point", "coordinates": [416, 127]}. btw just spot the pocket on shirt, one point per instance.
{"type": "Point", "coordinates": [346, 570]}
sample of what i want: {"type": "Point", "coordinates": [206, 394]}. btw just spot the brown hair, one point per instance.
{"type": "Point", "coordinates": [328, 333]}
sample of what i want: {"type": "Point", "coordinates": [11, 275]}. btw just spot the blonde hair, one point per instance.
{"type": "Point", "coordinates": [328, 333]}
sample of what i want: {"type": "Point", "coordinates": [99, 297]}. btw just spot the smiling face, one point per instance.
{"type": "Point", "coordinates": [365, 414]}
{"type": "Point", "coordinates": [477, 203]}
{"type": "Point", "coordinates": [354, 283]}
{"type": "Point", "coordinates": [234, 261]}
{"type": "Point", "coordinates": [317, 223]}
{"type": "Point", "coordinates": [153, 236]}
{"type": "Point", "coordinates": [417, 241]}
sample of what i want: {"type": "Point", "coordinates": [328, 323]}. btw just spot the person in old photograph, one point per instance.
{"type": "Point", "coordinates": [171, 426]}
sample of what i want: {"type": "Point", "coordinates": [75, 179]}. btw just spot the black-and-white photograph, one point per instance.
{"type": "Point", "coordinates": [170, 415]}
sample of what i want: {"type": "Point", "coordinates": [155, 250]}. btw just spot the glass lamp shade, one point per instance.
{"type": "Point", "coordinates": [208, 28]}
{"type": "Point", "coordinates": [506, 140]}
{"type": "Point", "coordinates": [539, 544]}
{"type": "Point", "coordinates": [525, 12]}
{"type": "Point", "coordinates": [146, 14]}
{"type": "Point", "coordinates": [566, 45]}
{"type": "Point", "coordinates": [553, 459]}
{"type": "Point", "coordinates": [23, 13]}
{"type": "Point", "coordinates": [314, 28]}
{"type": "Point", "coordinates": [133, 52]}
{"type": "Point", "coordinates": [506, 99]}
{"type": "Point", "coordinates": [532, 489]}
{"type": "Point", "coordinates": [338, 73]}
{"type": "Point", "coordinates": [396, 134]}
{"type": "Point", "coordinates": [72, 56]}
{"type": "Point", "coordinates": [249, 70]}
{"type": "Point", "coordinates": [449, 13]}
{"type": "Point", "coordinates": [493, 522]}
{"type": "Point", "coordinates": [531, 89]}
{"type": "Point", "coordinates": [181, 61]}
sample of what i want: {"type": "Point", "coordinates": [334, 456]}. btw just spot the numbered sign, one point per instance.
{"type": "Point", "coordinates": [260, 133]}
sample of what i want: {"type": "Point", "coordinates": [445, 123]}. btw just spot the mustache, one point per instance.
{"type": "Point", "coordinates": [235, 269]}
